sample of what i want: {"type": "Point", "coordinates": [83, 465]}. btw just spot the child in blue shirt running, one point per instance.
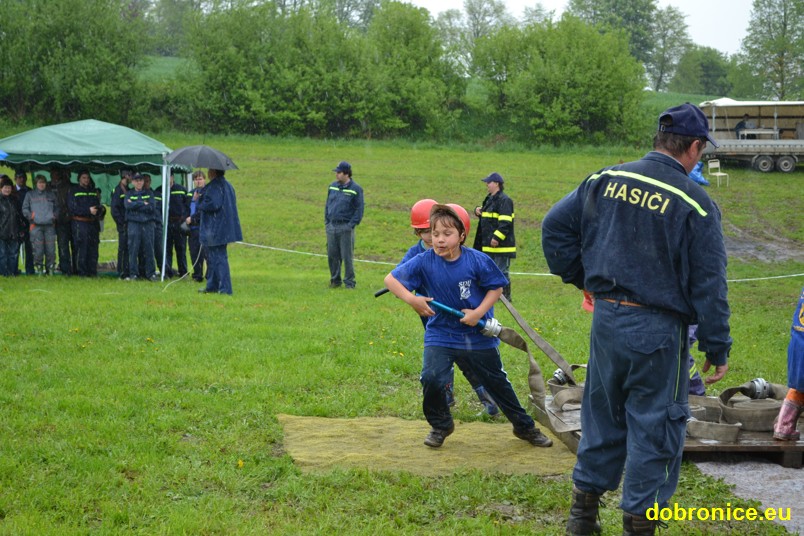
{"type": "Point", "coordinates": [420, 221]}
{"type": "Point", "coordinates": [469, 281]}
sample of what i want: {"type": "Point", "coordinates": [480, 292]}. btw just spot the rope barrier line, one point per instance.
{"type": "Point", "coordinates": [535, 274]}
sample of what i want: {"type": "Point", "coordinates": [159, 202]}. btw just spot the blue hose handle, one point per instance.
{"type": "Point", "coordinates": [454, 312]}
{"type": "Point", "coordinates": [440, 306]}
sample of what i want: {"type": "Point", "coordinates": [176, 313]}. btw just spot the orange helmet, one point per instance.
{"type": "Point", "coordinates": [463, 215]}
{"type": "Point", "coordinates": [420, 213]}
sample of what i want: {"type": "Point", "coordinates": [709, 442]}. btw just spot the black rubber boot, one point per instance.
{"type": "Point", "coordinates": [637, 525]}
{"type": "Point", "coordinates": [583, 518]}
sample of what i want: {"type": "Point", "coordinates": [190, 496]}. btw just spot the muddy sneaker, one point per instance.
{"type": "Point", "coordinates": [436, 437]}
{"type": "Point", "coordinates": [535, 437]}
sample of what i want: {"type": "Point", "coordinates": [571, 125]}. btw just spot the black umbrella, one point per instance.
{"type": "Point", "coordinates": [200, 156]}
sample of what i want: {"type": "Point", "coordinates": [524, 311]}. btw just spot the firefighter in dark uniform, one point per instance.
{"type": "Point", "coordinates": [139, 204]}
{"type": "Point", "coordinates": [648, 243]}
{"type": "Point", "coordinates": [84, 205]}
{"type": "Point", "coordinates": [495, 231]}
{"type": "Point", "coordinates": [198, 255]}
{"type": "Point", "coordinates": [60, 183]}
{"type": "Point", "coordinates": [178, 211]}
{"type": "Point", "coordinates": [158, 227]}
{"type": "Point", "coordinates": [118, 205]}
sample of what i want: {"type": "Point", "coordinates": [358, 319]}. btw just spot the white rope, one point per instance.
{"type": "Point", "coordinates": [536, 274]}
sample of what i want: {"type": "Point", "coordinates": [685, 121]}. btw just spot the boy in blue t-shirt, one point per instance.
{"type": "Point", "coordinates": [420, 221]}
{"type": "Point", "coordinates": [469, 281]}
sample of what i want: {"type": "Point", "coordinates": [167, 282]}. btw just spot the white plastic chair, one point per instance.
{"type": "Point", "coordinates": [713, 170]}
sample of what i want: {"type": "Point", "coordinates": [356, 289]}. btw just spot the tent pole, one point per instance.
{"type": "Point", "coordinates": [165, 211]}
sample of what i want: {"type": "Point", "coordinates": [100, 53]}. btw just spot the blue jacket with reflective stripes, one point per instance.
{"type": "Point", "coordinates": [344, 204]}
{"type": "Point", "coordinates": [139, 206]}
{"type": "Point", "coordinates": [643, 230]}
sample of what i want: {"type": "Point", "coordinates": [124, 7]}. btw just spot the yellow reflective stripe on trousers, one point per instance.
{"type": "Point", "coordinates": [499, 235]}
{"type": "Point", "coordinates": [489, 249]}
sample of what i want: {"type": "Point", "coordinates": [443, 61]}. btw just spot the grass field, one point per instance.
{"type": "Point", "coordinates": [150, 409]}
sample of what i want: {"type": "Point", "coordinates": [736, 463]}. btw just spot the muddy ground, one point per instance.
{"type": "Point", "coordinates": [763, 247]}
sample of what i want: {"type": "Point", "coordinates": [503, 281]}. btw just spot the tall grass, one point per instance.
{"type": "Point", "coordinates": [150, 409]}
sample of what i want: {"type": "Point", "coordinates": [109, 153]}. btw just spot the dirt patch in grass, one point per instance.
{"type": "Point", "coordinates": [393, 444]}
{"type": "Point", "coordinates": [765, 247]}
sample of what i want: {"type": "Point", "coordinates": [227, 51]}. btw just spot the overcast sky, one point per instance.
{"type": "Point", "coordinates": [719, 24]}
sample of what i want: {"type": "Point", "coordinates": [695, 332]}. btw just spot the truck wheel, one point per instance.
{"type": "Point", "coordinates": [786, 163]}
{"type": "Point", "coordinates": [763, 163]}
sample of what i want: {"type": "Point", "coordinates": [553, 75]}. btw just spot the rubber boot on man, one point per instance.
{"type": "Point", "coordinates": [584, 516]}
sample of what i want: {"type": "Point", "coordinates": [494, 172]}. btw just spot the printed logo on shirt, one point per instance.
{"type": "Point", "coordinates": [653, 201]}
{"type": "Point", "coordinates": [465, 289]}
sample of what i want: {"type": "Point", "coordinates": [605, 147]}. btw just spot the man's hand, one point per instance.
{"type": "Point", "coordinates": [720, 371]}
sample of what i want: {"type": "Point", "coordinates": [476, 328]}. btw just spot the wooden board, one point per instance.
{"type": "Point", "coordinates": [786, 453]}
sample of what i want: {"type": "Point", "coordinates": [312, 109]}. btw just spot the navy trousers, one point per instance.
{"type": "Point", "coordinates": [488, 367]}
{"type": "Point", "coordinates": [218, 277]}
{"type": "Point", "coordinates": [634, 411]}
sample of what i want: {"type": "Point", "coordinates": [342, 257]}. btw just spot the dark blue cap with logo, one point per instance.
{"type": "Point", "coordinates": [686, 120]}
{"type": "Point", "coordinates": [343, 167]}
{"type": "Point", "coordinates": [494, 177]}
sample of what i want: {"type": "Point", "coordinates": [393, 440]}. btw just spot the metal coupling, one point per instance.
{"type": "Point", "coordinates": [758, 389]}
{"type": "Point", "coordinates": [560, 377]}
{"type": "Point", "coordinates": [492, 328]}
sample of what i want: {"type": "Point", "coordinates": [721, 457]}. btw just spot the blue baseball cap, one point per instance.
{"type": "Point", "coordinates": [494, 177]}
{"type": "Point", "coordinates": [343, 167]}
{"type": "Point", "coordinates": [686, 120]}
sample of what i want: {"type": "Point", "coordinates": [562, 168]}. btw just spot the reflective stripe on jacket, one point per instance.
{"type": "Point", "coordinates": [496, 221]}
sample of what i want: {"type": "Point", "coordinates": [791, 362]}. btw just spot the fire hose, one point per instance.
{"type": "Point", "coordinates": [754, 411]}
{"type": "Point", "coordinates": [492, 328]}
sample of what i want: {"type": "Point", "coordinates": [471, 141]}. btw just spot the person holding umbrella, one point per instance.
{"type": "Point", "coordinates": [220, 225]}
{"type": "Point", "coordinates": [217, 204]}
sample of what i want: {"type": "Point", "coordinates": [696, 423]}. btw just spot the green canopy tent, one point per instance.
{"type": "Point", "coordinates": [105, 149]}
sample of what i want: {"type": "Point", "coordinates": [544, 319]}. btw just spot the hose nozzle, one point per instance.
{"type": "Point", "coordinates": [491, 328]}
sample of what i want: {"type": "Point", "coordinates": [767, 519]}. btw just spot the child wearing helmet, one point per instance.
{"type": "Point", "coordinates": [467, 280]}
{"type": "Point", "coordinates": [420, 221]}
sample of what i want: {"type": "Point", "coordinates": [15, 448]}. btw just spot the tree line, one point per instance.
{"type": "Point", "coordinates": [380, 68]}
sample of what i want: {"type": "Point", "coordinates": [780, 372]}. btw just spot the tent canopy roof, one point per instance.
{"type": "Point", "coordinates": [99, 146]}
{"type": "Point", "coordinates": [725, 101]}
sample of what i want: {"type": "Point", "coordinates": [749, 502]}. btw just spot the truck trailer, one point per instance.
{"type": "Point", "coordinates": [767, 135]}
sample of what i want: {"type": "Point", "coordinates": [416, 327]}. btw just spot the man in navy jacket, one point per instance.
{"type": "Point", "coordinates": [647, 241]}
{"type": "Point", "coordinates": [220, 225]}
{"type": "Point", "coordinates": [343, 212]}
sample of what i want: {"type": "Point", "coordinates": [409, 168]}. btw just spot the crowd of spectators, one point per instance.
{"type": "Point", "coordinates": [55, 228]}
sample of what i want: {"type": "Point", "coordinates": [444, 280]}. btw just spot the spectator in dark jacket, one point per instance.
{"type": "Point", "coordinates": [343, 212]}
{"type": "Point", "coordinates": [198, 255]}
{"type": "Point", "coordinates": [220, 225]}
{"type": "Point", "coordinates": [21, 178]}
{"type": "Point", "coordinates": [118, 204]}
{"type": "Point", "coordinates": [139, 203]}
{"type": "Point", "coordinates": [11, 226]}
